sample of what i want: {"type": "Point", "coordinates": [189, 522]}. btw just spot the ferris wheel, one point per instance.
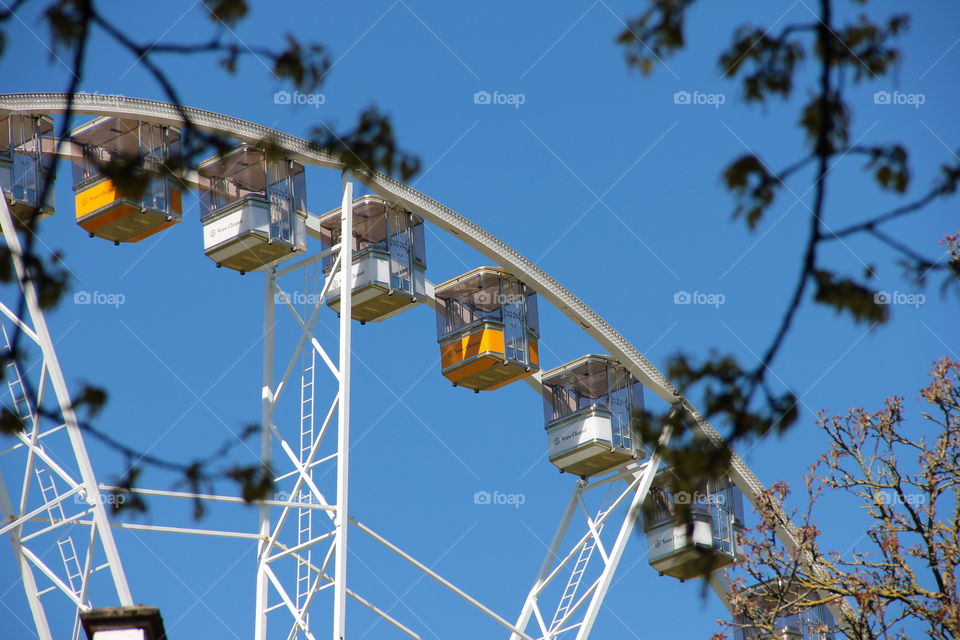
{"type": "Point", "coordinates": [255, 218]}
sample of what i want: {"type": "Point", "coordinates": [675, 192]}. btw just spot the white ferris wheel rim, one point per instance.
{"type": "Point", "coordinates": [430, 210]}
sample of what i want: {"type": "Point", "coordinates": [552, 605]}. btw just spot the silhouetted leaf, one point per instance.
{"type": "Point", "coordinates": [227, 11]}
{"type": "Point", "coordinates": [845, 295]}
{"type": "Point", "coordinates": [754, 186]}
{"type": "Point", "coordinates": [68, 23]}
{"type": "Point", "coordinates": [92, 398]}
{"type": "Point", "coordinates": [10, 422]}
{"type": "Point", "coordinates": [371, 146]}
{"type": "Point", "coordinates": [727, 391]}
{"type": "Point", "coordinates": [865, 47]}
{"type": "Point", "coordinates": [305, 68]}
{"type": "Point", "coordinates": [655, 34]}
{"type": "Point", "coordinates": [890, 167]}
{"type": "Point", "coordinates": [826, 121]}
{"type": "Point", "coordinates": [256, 481]}
{"type": "Point", "coordinates": [123, 497]}
{"type": "Point", "coordinates": [771, 62]}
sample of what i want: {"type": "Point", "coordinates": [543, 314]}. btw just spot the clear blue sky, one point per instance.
{"type": "Point", "coordinates": [598, 176]}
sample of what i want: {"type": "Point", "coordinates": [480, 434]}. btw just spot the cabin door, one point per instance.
{"type": "Point", "coordinates": [400, 240]}
{"type": "Point", "coordinates": [514, 305]}
{"type": "Point", "coordinates": [620, 408]}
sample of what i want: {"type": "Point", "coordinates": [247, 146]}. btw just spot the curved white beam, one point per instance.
{"type": "Point", "coordinates": [429, 209]}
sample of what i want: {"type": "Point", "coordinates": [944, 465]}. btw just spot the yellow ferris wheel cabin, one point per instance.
{"type": "Point", "coordinates": [124, 213]}
{"type": "Point", "coordinates": [488, 328]}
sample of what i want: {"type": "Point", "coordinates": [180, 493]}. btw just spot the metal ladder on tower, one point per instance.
{"type": "Point", "coordinates": [45, 480]}
{"type": "Point", "coordinates": [583, 560]}
{"type": "Point", "coordinates": [311, 279]}
{"type": "Point", "coordinates": [68, 552]}
{"type": "Point", "coordinates": [18, 395]}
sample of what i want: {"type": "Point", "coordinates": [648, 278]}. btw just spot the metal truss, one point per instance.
{"type": "Point", "coordinates": [576, 602]}
{"type": "Point", "coordinates": [58, 503]}
{"type": "Point", "coordinates": [302, 532]}
{"type": "Point", "coordinates": [326, 542]}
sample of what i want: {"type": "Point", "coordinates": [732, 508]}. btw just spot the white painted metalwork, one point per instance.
{"type": "Point", "coordinates": [343, 409]}
{"type": "Point", "coordinates": [570, 613]}
{"type": "Point", "coordinates": [311, 292]}
{"type": "Point", "coordinates": [578, 602]}
{"type": "Point", "coordinates": [43, 511]}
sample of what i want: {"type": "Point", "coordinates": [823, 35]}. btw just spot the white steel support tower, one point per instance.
{"type": "Point", "coordinates": [58, 502]}
{"type": "Point", "coordinates": [343, 409]}
{"type": "Point", "coordinates": [311, 292]}
{"type": "Point", "coordinates": [574, 608]}
{"type": "Point", "coordinates": [296, 507]}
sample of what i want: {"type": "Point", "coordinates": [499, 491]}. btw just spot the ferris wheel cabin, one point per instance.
{"type": "Point", "coordinates": [589, 410]}
{"type": "Point", "coordinates": [487, 327]}
{"type": "Point", "coordinates": [254, 209]}
{"type": "Point", "coordinates": [716, 509]}
{"type": "Point", "coordinates": [791, 622]}
{"type": "Point", "coordinates": [24, 140]}
{"type": "Point", "coordinates": [389, 259]}
{"type": "Point", "coordinates": [126, 213]}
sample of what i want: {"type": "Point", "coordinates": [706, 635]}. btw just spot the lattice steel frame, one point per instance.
{"type": "Point", "coordinates": [465, 231]}
{"type": "Point", "coordinates": [71, 580]}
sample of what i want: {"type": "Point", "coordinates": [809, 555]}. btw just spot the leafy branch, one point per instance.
{"type": "Point", "coordinates": [370, 145]}
{"type": "Point", "coordinates": [766, 65]}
